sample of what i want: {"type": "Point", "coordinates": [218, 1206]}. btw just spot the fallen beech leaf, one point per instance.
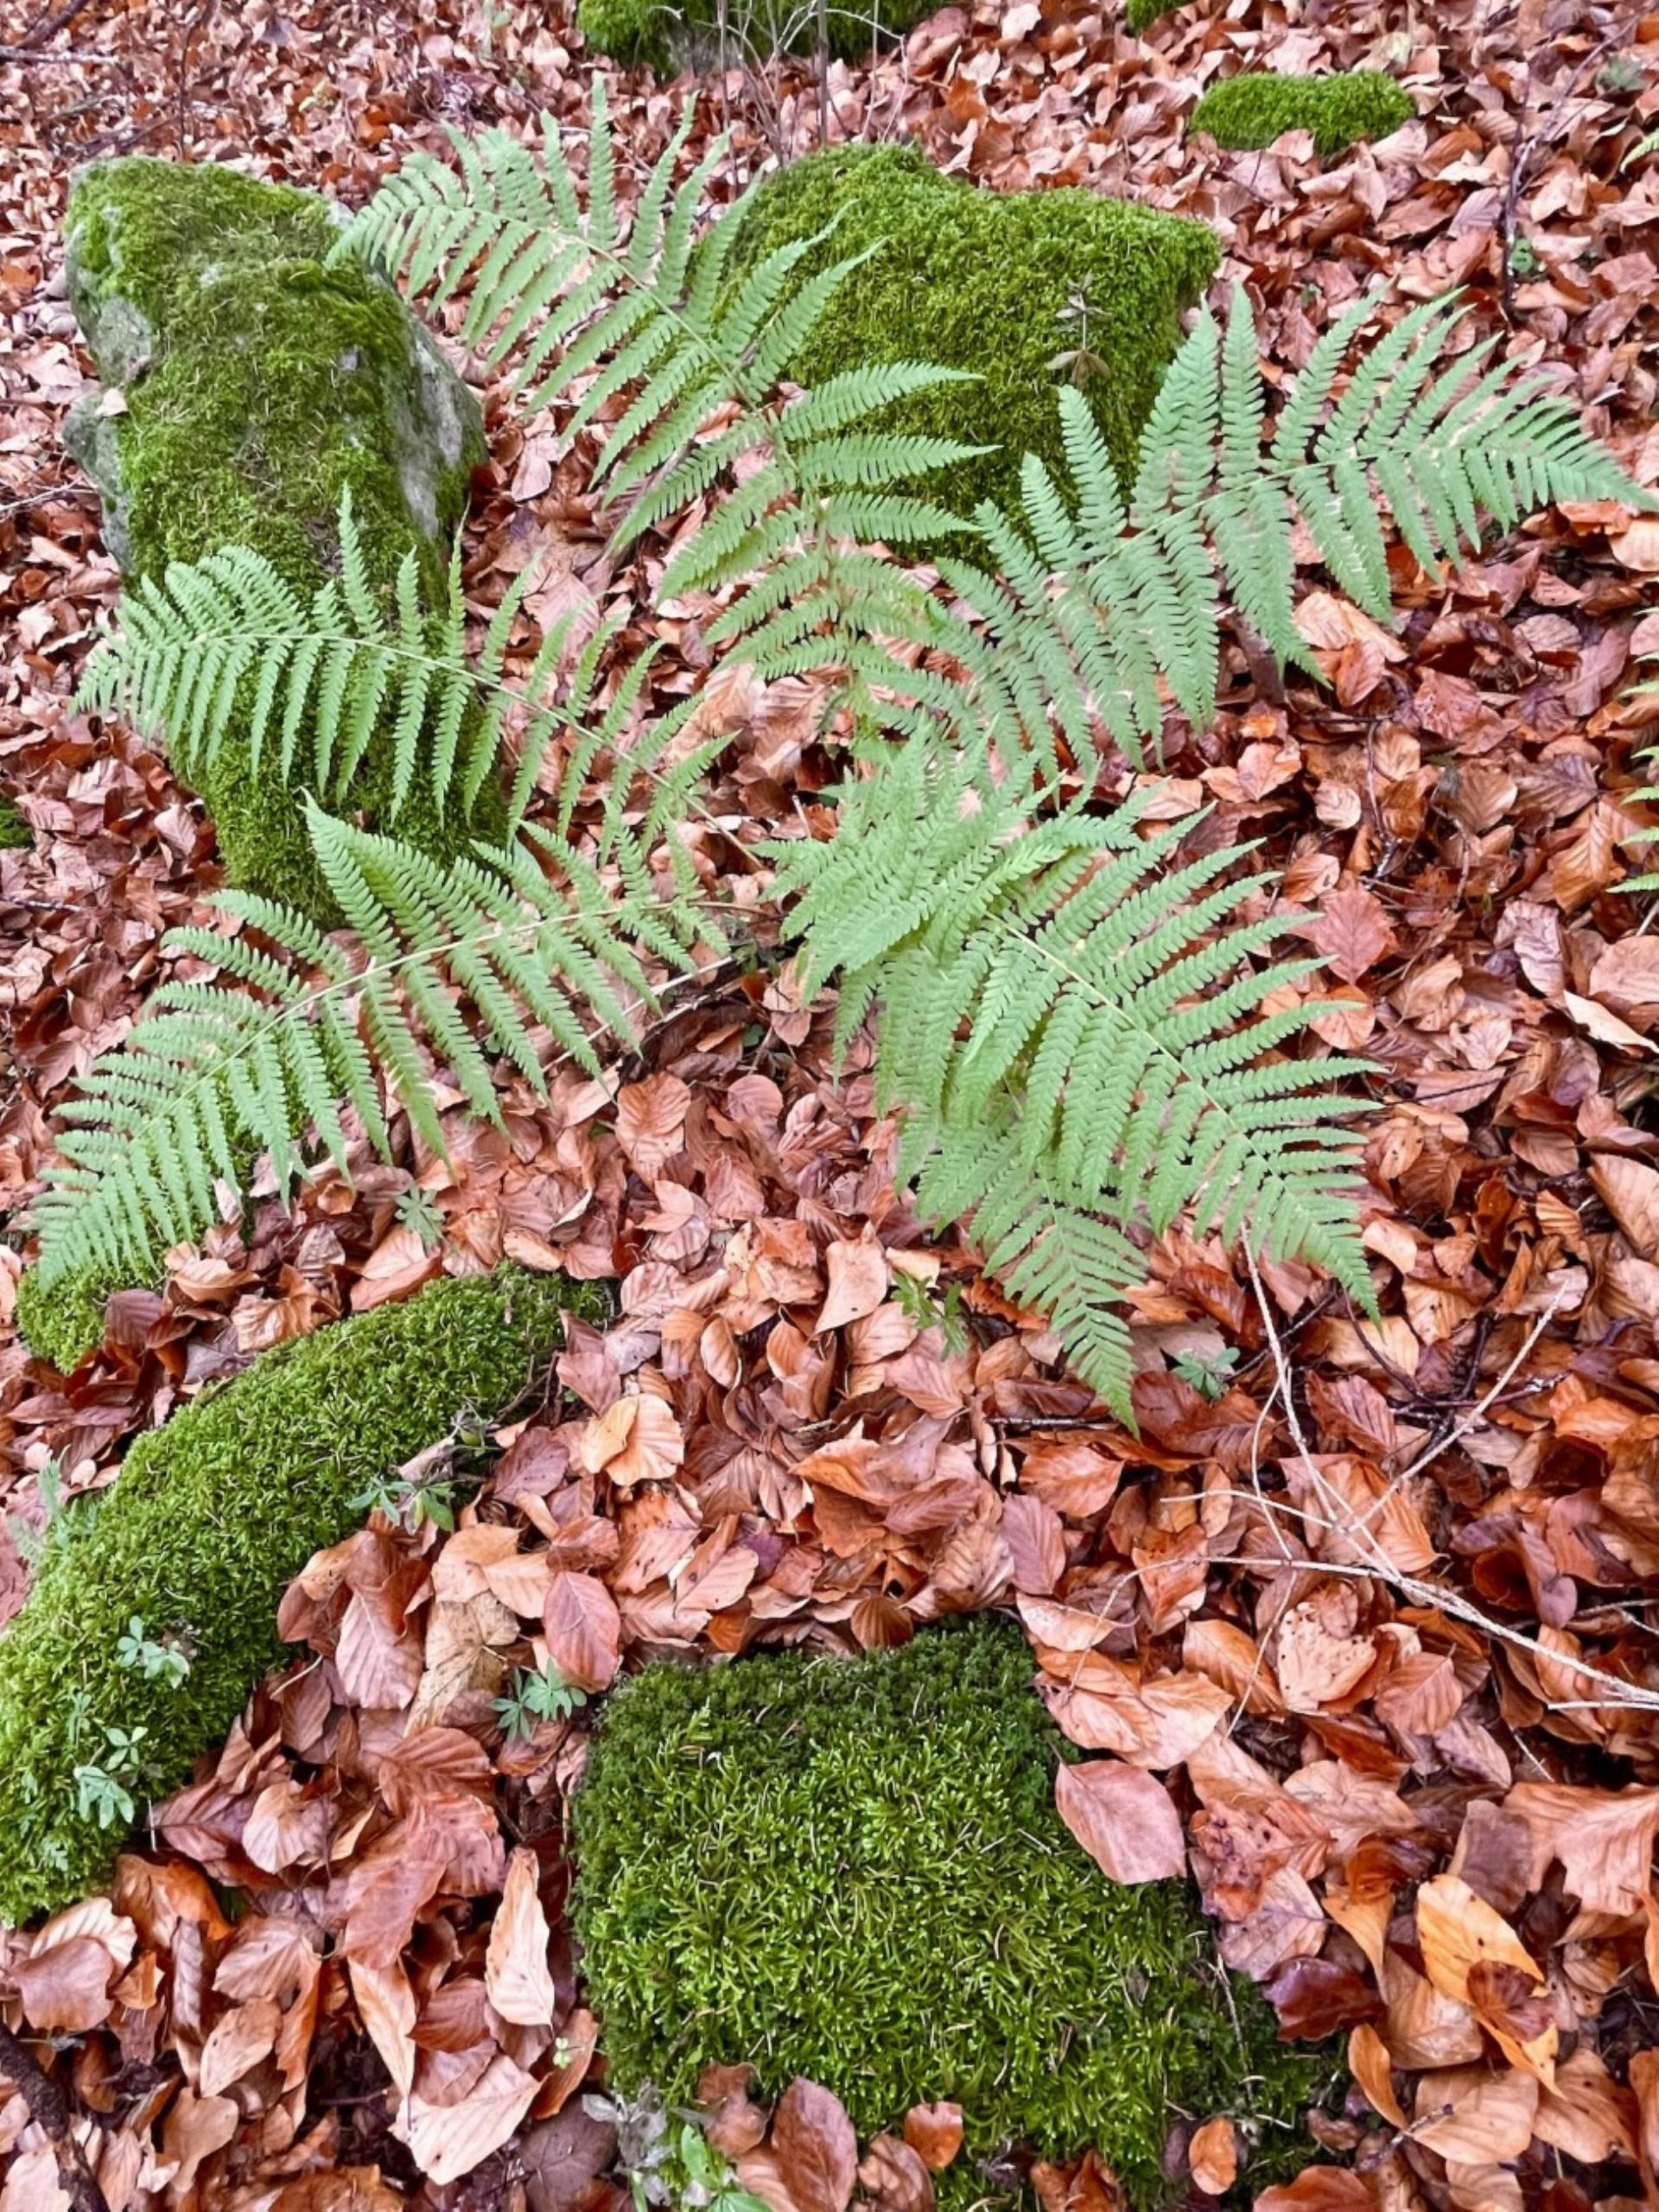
{"type": "Point", "coordinates": [1458, 1929]}
{"type": "Point", "coordinates": [1213, 2155]}
{"type": "Point", "coordinates": [1475, 2116]}
{"type": "Point", "coordinates": [446, 2141]}
{"type": "Point", "coordinates": [516, 1971]}
{"type": "Point", "coordinates": [583, 1630]}
{"type": "Point", "coordinates": [398, 1266]}
{"type": "Point", "coordinates": [1587, 2115]}
{"type": "Point", "coordinates": [1604, 1840]}
{"type": "Point", "coordinates": [237, 2044]}
{"type": "Point", "coordinates": [194, 2130]}
{"type": "Point", "coordinates": [651, 1122]}
{"type": "Point", "coordinates": [934, 2133]}
{"type": "Point", "coordinates": [893, 2178]}
{"type": "Point", "coordinates": [385, 2005]}
{"type": "Point", "coordinates": [635, 1441]}
{"type": "Point", "coordinates": [1321, 2189]}
{"type": "Point", "coordinates": [66, 1987]}
{"type": "Point", "coordinates": [858, 1281]}
{"type": "Point", "coordinates": [1314, 1667]}
{"type": "Point", "coordinates": [1369, 2064]}
{"type": "Point", "coordinates": [815, 2147]}
{"type": "Point", "coordinates": [1124, 1819]}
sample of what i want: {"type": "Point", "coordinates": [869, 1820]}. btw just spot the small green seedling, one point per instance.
{"type": "Point", "coordinates": [945, 1314]}
{"type": "Point", "coordinates": [1210, 1373]}
{"type": "Point", "coordinates": [410, 1500]}
{"type": "Point", "coordinates": [101, 1789]}
{"type": "Point", "coordinates": [419, 1211]}
{"type": "Point", "coordinates": [164, 1661]}
{"type": "Point", "coordinates": [535, 1698]}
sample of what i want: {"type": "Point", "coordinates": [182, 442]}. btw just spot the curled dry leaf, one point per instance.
{"type": "Point", "coordinates": [893, 2178]}
{"type": "Point", "coordinates": [635, 1441]}
{"type": "Point", "coordinates": [1124, 1819]}
{"type": "Point", "coordinates": [857, 1269]}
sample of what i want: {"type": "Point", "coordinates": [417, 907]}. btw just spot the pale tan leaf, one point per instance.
{"type": "Point", "coordinates": [385, 2005]}
{"type": "Point", "coordinates": [1474, 2116]}
{"type": "Point", "coordinates": [446, 2141]}
{"type": "Point", "coordinates": [1458, 1931]}
{"type": "Point", "coordinates": [1213, 2155]}
{"type": "Point", "coordinates": [516, 1971]}
{"type": "Point", "coordinates": [583, 1630]}
{"type": "Point", "coordinates": [1123, 1818]}
{"type": "Point", "coordinates": [237, 2044]}
{"type": "Point", "coordinates": [858, 1281]}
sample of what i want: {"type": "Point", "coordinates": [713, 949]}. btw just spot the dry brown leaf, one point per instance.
{"type": "Point", "coordinates": [1213, 2156]}
{"type": "Point", "coordinates": [1123, 1818]}
{"type": "Point", "coordinates": [385, 2005]}
{"type": "Point", "coordinates": [583, 1630]}
{"type": "Point", "coordinates": [1475, 2116]}
{"type": "Point", "coordinates": [446, 2141]}
{"type": "Point", "coordinates": [934, 2133]}
{"type": "Point", "coordinates": [1603, 1838]}
{"type": "Point", "coordinates": [516, 1971]}
{"type": "Point", "coordinates": [1458, 1931]}
{"type": "Point", "coordinates": [1370, 2066]}
{"type": "Point", "coordinates": [815, 2147]}
{"type": "Point", "coordinates": [858, 1270]}
{"type": "Point", "coordinates": [236, 2044]}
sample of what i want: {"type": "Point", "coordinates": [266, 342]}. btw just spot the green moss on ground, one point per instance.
{"type": "Point", "coordinates": [14, 830]}
{"type": "Point", "coordinates": [979, 280]}
{"type": "Point", "coordinates": [259, 386]}
{"type": "Point", "coordinates": [1141, 15]}
{"type": "Point", "coordinates": [208, 1520]}
{"type": "Point", "coordinates": [853, 1870]}
{"type": "Point", "coordinates": [63, 1321]}
{"type": "Point", "coordinates": [686, 34]}
{"type": "Point", "coordinates": [1253, 110]}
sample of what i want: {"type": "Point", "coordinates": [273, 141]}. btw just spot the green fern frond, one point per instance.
{"type": "Point", "coordinates": [1060, 1007]}
{"type": "Point", "coordinates": [513, 955]}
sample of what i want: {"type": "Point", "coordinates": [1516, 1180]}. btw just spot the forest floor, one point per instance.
{"type": "Point", "coordinates": [776, 1436]}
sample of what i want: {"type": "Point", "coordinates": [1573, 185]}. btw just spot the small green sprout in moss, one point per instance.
{"type": "Point", "coordinates": [1251, 111]}
{"type": "Point", "coordinates": [1209, 1373]}
{"type": "Point", "coordinates": [534, 1697]}
{"type": "Point", "coordinates": [165, 1659]}
{"type": "Point", "coordinates": [981, 281]}
{"type": "Point", "coordinates": [104, 1790]}
{"type": "Point", "coordinates": [208, 1522]}
{"type": "Point", "coordinates": [14, 830]}
{"type": "Point", "coordinates": [853, 1870]}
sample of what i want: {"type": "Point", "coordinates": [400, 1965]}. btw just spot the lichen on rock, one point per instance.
{"type": "Point", "coordinates": [1243, 113]}
{"type": "Point", "coordinates": [997, 283]}
{"type": "Point", "coordinates": [249, 383]}
{"type": "Point", "coordinates": [853, 1870]}
{"type": "Point", "coordinates": [209, 1519]}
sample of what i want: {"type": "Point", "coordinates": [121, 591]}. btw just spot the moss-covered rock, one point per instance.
{"type": "Point", "coordinates": [674, 34]}
{"type": "Point", "coordinates": [61, 1322]}
{"type": "Point", "coordinates": [1252, 110]}
{"type": "Point", "coordinates": [983, 280]}
{"type": "Point", "coordinates": [209, 1519]}
{"type": "Point", "coordinates": [853, 1870]}
{"type": "Point", "coordinates": [259, 385]}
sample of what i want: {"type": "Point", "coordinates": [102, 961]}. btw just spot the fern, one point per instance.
{"type": "Point", "coordinates": [1068, 1002]}
{"type": "Point", "coordinates": [647, 315]}
{"type": "Point", "coordinates": [511, 955]}
{"type": "Point", "coordinates": [1059, 1003]}
{"type": "Point", "coordinates": [184, 650]}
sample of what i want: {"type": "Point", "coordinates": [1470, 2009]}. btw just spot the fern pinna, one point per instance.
{"type": "Point", "coordinates": [1062, 991]}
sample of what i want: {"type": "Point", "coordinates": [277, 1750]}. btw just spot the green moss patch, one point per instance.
{"type": "Point", "coordinates": [1253, 110]}
{"type": "Point", "coordinates": [986, 282]}
{"type": "Point", "coordinates": [853, 1870]}
{"type": "Point", "coordinates": [62, 1321]}
{"type": "Point", "coordinates": [14, 830]}
{"type": "Point", "coordinates": [259, 385]}
{"type": "Point", "coordinates": [209, 1519]}
{"type": "Point", "coordinates": [686, 35]}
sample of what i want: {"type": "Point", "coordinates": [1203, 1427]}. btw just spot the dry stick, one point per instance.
{"type": "Point", "coordinates": [1527, 144]}
{"type": "Point", "coordinates": [1378, 1566]}
{"type": "Point", "coordinates": [49, 2108]}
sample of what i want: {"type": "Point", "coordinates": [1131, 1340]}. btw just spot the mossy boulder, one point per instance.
{"type": "Point", "coordinates": [686, 35]}
{"type": "Point", "coordinates": [853, 1870]}
{"type": "Point", "coordinates": [209, 1519]}
{"type": "Point", "coordinates": [1244, 113]}
{"type": "Point", "coordinates": [248, 385]}
{"type": "Point", "coordinates": [986, 282]}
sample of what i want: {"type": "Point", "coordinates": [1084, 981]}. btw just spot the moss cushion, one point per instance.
{"type": "Point", "coordinates": [686, 35]}
{"type": "Point", "coordinates": [982, 281]}
{"type": "Point", "coordinates": [853, 1870]}
{"type": "Point", "coordinates": [1253, 110]}
{"type": "Point", "coordinates": [208, 1520]}
{"type": "Point", "coordinates": [257, 386]}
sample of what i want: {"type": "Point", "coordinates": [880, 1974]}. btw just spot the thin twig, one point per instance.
{"type": "Point", "coordinates": [49, 2107]}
